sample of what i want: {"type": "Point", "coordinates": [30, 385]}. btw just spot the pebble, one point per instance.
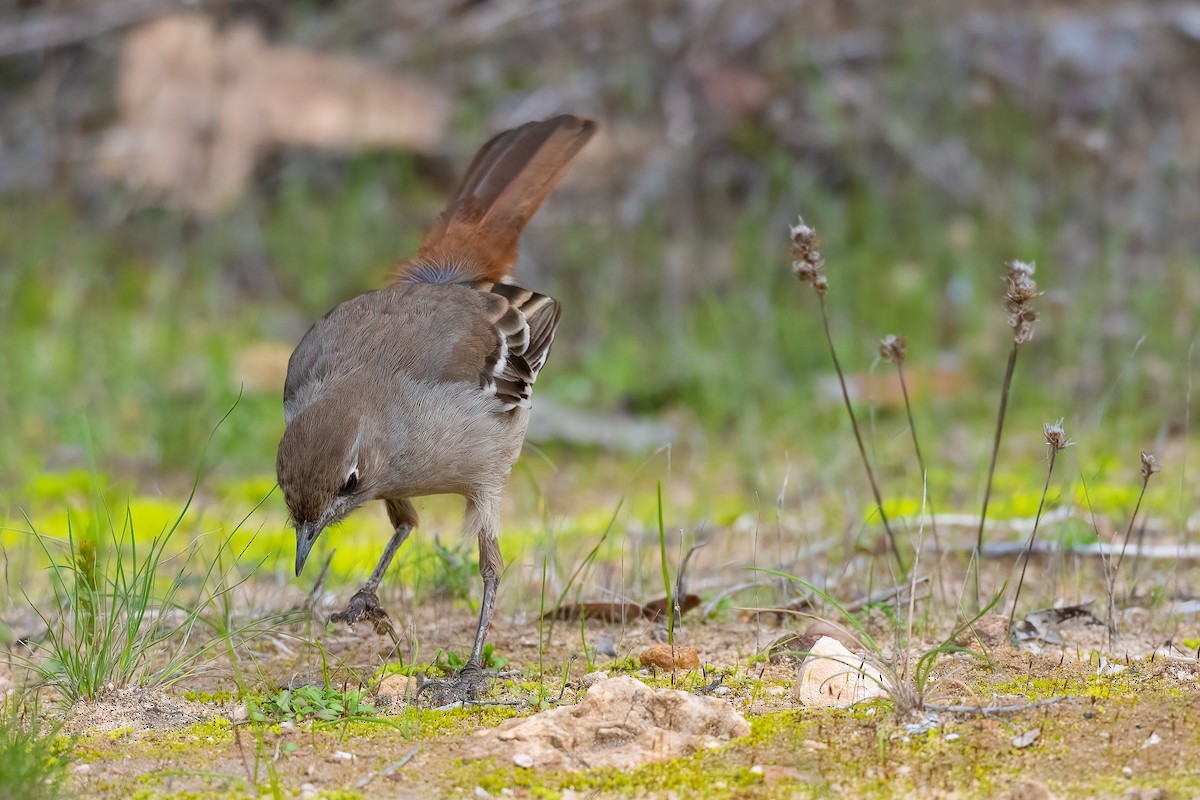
{"type": "Point", "coordinates": [592, 678]}
{"type": "Point", "coordinates": [307, 791]}
{"type": "Point", "coordinates": [523, 760]}
{"type": "Point", "coordinates": [342, 755]}
{"type": "Point", "coordinates": [1127, 772]}
{"type": "Point", "coordinates": [83, 769]}
{"type": "Point", "coordinates": [757, 769]}
{"type": "Point", "coordinates": [482, 793]}
{"type": "Point", "coordinates": [659, 655]}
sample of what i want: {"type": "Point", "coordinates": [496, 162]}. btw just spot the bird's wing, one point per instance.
{"type": "Point", "coordinates": [525, 323]}
{"type": "Point", "coordinates": [494, 335]}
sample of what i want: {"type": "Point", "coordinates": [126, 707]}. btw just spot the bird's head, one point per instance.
{"type": "Point", "coordinates": [324, 470]}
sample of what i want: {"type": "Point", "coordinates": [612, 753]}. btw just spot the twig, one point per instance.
{"type": "Point", "coordinates": [988, 710]}
{"type": "Point", "coordinates": [1161, 552]}
{"type": "Point", "coordinates": [383, 773]}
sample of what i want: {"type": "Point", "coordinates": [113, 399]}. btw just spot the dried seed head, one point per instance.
{"type": "Point", "coordinates": [1149, 465]}
{"type": "Point", "coordinates": [807, 264]}
{"type": "Point", "coordinates": [1020, 291]}
{"type": "Point", "coordinates": [1056, 437]}
{"type": "Point", "coordinates": [891, 348]}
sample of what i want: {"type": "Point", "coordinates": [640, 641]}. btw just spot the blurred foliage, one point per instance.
{"type": "Point", "coordinates": [125, 325]}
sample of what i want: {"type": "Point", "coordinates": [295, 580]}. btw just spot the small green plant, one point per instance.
{"type": "Point", "coordinates": [666, 575]}
{"type": "Point", "coordinates": [454, 571]}
{"type": "Point", "coordinates": [115, 621]}
{"type": "Point", "coordinates": [315, 704]}
{"type": "Point", "coordinates": [450, 661]}
{"type": "Point", "coordinates": [33, 759]}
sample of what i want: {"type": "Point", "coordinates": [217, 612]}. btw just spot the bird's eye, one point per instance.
{"type": "Point", "coordinates": [351, 483]}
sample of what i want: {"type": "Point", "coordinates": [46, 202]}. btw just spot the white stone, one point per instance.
{"type": "Point", "coordinates": [833, 677]}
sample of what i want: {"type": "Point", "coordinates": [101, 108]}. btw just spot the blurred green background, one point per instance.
{"type": "Point", "coordinates": [927, 142]}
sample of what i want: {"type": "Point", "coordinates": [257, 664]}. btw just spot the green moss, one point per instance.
{"type": "Point", "coordinates": [218, 728]}
{"type": "Point", "coordinates": [211, 697]}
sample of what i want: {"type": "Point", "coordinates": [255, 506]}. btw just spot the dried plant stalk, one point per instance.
{"type": "Point", "coordinates": [1019, 294]}
{"type": "Point", "coordinates": [894, 349]}
{"type": "Point", "coordinates": [1150, 466]}
{"type": "Point", "coordinates": [1056, 440]}
{"type": "Point", "coordinates": [809, 267]}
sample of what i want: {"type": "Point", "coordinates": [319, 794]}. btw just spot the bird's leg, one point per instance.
{"type": "Point", "coordinates": [364, 605]}
{"type": "Point", "coordinates": [484, 515]}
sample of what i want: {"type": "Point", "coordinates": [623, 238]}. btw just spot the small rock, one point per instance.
{"type": "Point", "coordinates": [757, 769]}
{"type": "Point", "coordinates": [659, 655]}
{"type": "Point", "coordinates": [776, 691]}
{"type": "Point", "coordinates": [1029, 790]}
{"type": "Point", "coordinates": [773, 773]}
{"type": "Point", "coordinates": [833, 677]}
{"type": "Point", "coordinates": [592, 678]}
{"type": "Point", "coordinates": [1027, 738]}
{"type": "Point", "coordinates": [620, 723]}
{"type": "Point", "coordinates": [239, 713]}
{"type": "Point", "coordinates": [821, 627]}
{"type": "Point", "coordinates": [605, 647]}
{"type": "Point", "coordinates": [82, 769]}
{"type": "Point", "coordinates": [307, 791]}
{"type": "Point", "coordinates": [1151, 740]}
{"type": "Point", "coordinates": [1127, 772]}
{"type": "Point", "coordinates": [342, 755]}
{"type": "Point", "coordinates": [482, 793]}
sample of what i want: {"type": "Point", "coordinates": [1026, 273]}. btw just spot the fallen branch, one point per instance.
{"type": "Point", "coordinates": [1160, 552]}
{"type": "Point", "coordinates": [987, 710]}
{"type": "Point", "coordinates": [388, 770]}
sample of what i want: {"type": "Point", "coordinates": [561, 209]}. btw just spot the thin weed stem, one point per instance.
{"type": "Point", "coordinates": [987, 492]}
{"type": "Point", "coordinates": [1012, 614]}
{"type": "Point", "coordinates": [862, 450]}
{"type": "Point", "coordinates": [912, 428]}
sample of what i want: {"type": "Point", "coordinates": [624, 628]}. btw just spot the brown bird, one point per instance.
{"type": "Point", "coordinates": [424, 387]}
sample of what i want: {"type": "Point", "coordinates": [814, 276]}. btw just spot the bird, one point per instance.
{"type": "Point", "coordinates": [424, 386]}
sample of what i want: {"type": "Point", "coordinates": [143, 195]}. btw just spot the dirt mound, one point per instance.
{"type": "Point", "coordinates": [620, 723]}
{"type": "Point", "coordinates": [136, 710]}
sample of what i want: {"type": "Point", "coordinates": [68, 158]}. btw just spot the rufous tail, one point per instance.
{"type": "Point", "coordinates": [475, 238]}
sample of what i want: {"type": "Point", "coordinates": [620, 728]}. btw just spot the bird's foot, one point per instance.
{"type": "Point", "coordinates": [464, 687]}
{"type": "Point", "coordinates": [364, 605]}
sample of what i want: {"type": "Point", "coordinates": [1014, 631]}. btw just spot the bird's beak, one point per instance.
{"type": "Point", "coordinates": [306, 534]}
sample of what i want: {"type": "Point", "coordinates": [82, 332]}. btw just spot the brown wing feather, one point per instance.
{"type": "Point", "coordinates": [525, 322]}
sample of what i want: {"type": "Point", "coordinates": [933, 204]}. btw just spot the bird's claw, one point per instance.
{"type": "Point", "coordinates": [464, 687]}
{"type": "Point", "coordinates": [364, 605]}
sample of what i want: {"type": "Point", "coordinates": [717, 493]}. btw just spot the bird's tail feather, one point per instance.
{"type": "Point", "coordinates": [475, 238]}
